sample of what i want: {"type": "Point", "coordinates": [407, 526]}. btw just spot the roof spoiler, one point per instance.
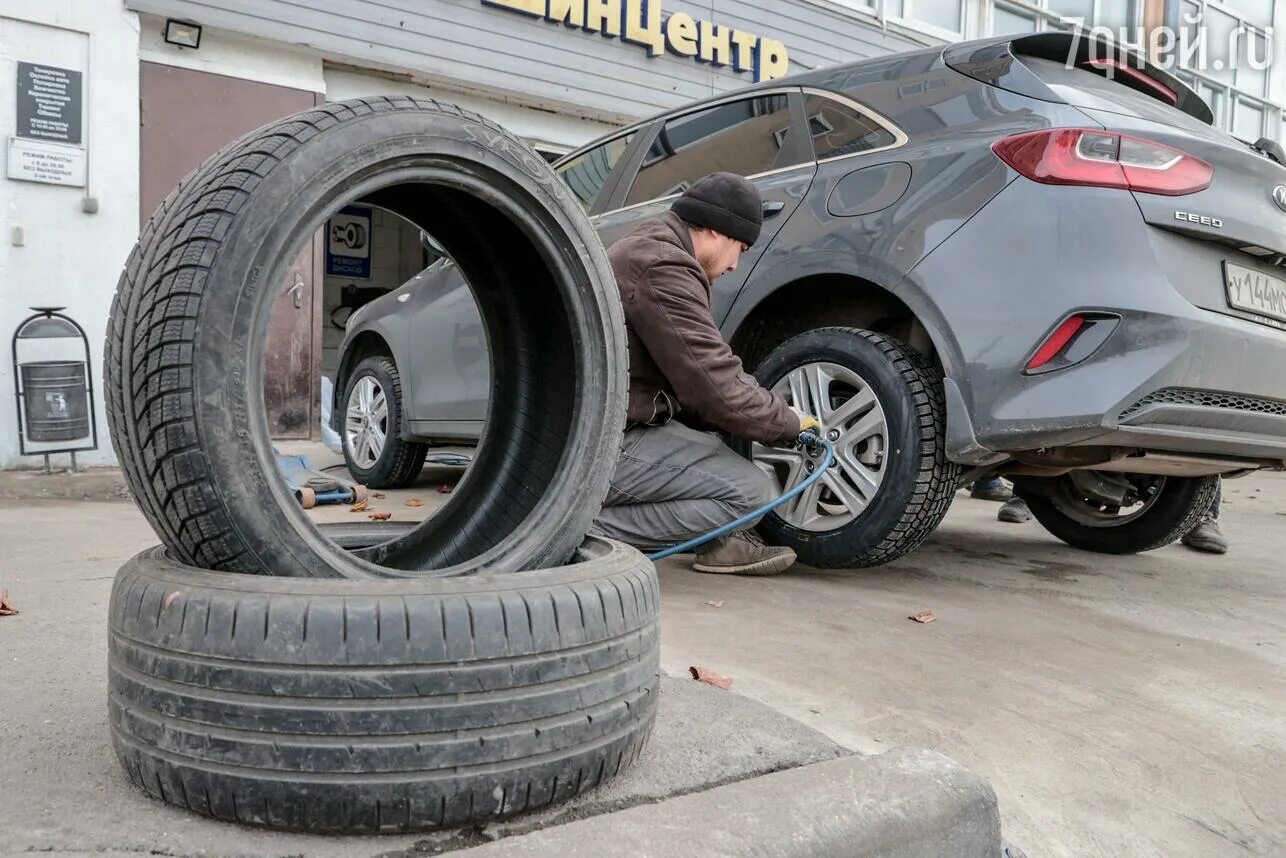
{"type": "Point", "coordinates": [995, 62]}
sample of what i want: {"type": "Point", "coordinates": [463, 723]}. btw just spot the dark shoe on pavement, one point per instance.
{"type": "Point", "coordinates": [742, 553]}
{"type": "Point", "coordinates": [1207, 537]}
{"type": "Point", "coordinates": [990, 490]}
{"type": "Point", "coordinates": [1014, 511]}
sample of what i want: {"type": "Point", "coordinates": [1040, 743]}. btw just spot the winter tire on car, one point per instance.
{"type": "Point", "coordinates": [882, 407]}
{"type": "Point", "coordinates": [374, 450]}
{"type": "Point", "coordinates": [184, 356]}
{"type": "Point", "coordinates": [1160, 511]}
{"type": "Point", "coordinates": [377, 706]}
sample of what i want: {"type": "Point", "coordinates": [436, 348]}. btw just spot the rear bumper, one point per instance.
{"type": "Point", "coordinates": [1172, 376]}
{"type": "Point", "coordinates": [1204, 421]}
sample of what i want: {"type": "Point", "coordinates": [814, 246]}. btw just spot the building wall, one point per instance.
{"type": "Point", "coordinates": [538, 63]}
{"type": "Point", "coordinates": [68, 257]}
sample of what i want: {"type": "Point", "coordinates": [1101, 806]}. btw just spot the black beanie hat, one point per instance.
{"type": "Point", "coordinates": [725, 203]}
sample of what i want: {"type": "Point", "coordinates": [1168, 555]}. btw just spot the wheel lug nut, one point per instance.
{"type": "Point", "coordinates": [833, 435]}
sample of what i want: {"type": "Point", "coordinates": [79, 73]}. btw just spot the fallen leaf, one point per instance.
{"type": "Point", "coordinates": [360, 506]}
{"type": "Point", "coordinates": [415, 502]}
{"type": "Point", "coordinates": [381, 516]}
{"type": "Point", "coordinates": [444, 490]}
{"type": "Point", "coordinates": [718, 604]}
{"type": "Point", "coordinates": [379, 495]}
{"type": "Point", "coordinates": [709, 677]}
{"type": "Point", "coordinates": [6, 609]}
{"type": "Point", "coordinates": [170, 598]}
{"type": "Point", "coordinates": [923, 617]}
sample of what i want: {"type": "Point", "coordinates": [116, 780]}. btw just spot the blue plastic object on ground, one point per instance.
{"type": "Point", "coordinates": [311, 486]}
{"type": "Point", "coordinates": [805, 440]}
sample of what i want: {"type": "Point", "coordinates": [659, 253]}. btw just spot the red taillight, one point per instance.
{"type": "Point", "coordinates": [1056, 342]}
{"type": "Point", "coordinates": [1102, 159]}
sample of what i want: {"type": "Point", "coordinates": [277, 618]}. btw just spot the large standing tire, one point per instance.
{"type": "Point", "coordinates": [374, 450]}
{"type": "Point", "coordinates": [1167, 510]}
{"type": "Point", "coordinates": [891, 484]}
{"type": "Point", "coordinates": [184, 356]}
{"type": "Point", "coordinates": [359, 706]}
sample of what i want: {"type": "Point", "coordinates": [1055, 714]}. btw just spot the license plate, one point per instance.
{"type": "Point", "coordinates": [1256, 292]}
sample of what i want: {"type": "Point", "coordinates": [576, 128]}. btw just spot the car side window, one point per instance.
{"type": "Point", "coordinates": [745, 137]}
{"type": "Point", "coordinates": [838, 129]}
{"type": "Point", "coordinates": [587, 174]}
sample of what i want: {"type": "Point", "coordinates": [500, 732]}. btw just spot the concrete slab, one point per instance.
{"type": "Point", "coordinates": [63, 790]}
{"type": "Point", "coordinates": [1118, 705]}
{"type": "Point", "coordinates": [915, 804]}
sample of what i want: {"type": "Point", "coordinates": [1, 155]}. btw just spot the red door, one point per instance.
{"type": "Point", "coordinates": [187, 116]}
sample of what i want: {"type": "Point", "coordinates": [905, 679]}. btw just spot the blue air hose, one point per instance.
{"type": "Point", "coordinates": [807, 439]}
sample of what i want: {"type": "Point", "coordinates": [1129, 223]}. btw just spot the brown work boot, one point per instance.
{"type": "Point", "coordinates": [742, 553]}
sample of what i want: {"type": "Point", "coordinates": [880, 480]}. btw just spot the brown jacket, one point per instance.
{"type": "Point", "coordinates": [680, 366]}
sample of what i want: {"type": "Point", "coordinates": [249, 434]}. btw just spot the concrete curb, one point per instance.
{"type": "Point", "coordinates": [917, 804]}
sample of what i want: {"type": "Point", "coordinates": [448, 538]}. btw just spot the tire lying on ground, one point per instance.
{"type": "Point", "coordinates": [359, 707]}
{"type": "Point", "coordinates": [184, 355]}
{"type": "Point", "coordinates": [891, 483]}
{"type": "Point", "coordinates": [1167, 508]}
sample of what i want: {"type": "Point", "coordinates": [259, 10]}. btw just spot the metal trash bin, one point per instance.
{"type": "Point", "coordinates": [54, 386]}
{"type": "Point", "coordinates": [54, 399]}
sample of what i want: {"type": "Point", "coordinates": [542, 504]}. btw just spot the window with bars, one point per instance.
{"type": "Point", "coordinates": [959, 19]}
{"type": "Point", "coordinates": [940, 19]}
{"type": "Point", "coordinates": [1235, 32]}
{"type": "Point", "coordinates": [1229, 67]}
{"type": "Point", "coordinates": [1037, 16]}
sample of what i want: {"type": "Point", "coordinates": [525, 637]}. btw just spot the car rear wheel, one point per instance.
{"type": "Point", "coordinates": [374, 450]}
{"type": "Point", "coordinates": [882, 407]}
{"type": "Point", "coordinates": [1118, 513]}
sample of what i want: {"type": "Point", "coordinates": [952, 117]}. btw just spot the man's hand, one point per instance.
{"type": "Point", "coordinates": [807, 422]}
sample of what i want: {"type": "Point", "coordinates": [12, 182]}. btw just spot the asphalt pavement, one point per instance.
{"type": "Point", "coordinates": [1119, 706]}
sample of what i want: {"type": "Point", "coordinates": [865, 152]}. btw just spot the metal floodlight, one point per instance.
{"type": "Point", "coordinates": [185, 34]}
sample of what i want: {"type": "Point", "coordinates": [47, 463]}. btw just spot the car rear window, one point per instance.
{"type": "Point", "coordinates": [838, 130]}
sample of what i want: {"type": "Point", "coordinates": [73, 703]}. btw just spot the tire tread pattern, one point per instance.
{"type": "Point", "coordinates": [149, 353]}
{"type": "Point", "coordinates": [347, 707]}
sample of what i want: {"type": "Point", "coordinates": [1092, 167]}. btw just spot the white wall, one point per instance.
{"type": "Point", "coordinates": [69, 258]}
{"type": "Point", "coordinates": [234, 55]}
{"type": "Point", "coordinates": [539, 127]}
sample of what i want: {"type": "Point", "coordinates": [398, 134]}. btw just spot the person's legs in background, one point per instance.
{"type": "Point", "coordinates": [993, 489]}
{"type": "Point", "coordinates": [1015, 511]}
{"type": "Point", "coordinates": [1207, 536]}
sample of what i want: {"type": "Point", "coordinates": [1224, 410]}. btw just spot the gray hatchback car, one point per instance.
{"type": "Point", "coordinates": [1028, 256]}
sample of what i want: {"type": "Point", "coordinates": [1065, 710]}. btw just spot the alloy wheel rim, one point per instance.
{"type": "Point", "coordinates": [855, 425]}
{"type": "Point", "coordinates": [366, 422]}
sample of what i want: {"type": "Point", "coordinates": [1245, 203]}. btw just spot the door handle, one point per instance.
{"type": "Point", "coordinates": [296, 291]}
{"type": "Point", "coordinates": [772, 208]}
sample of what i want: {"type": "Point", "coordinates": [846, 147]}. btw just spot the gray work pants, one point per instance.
{"type": "Point", "coordinates": [673, 483]}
